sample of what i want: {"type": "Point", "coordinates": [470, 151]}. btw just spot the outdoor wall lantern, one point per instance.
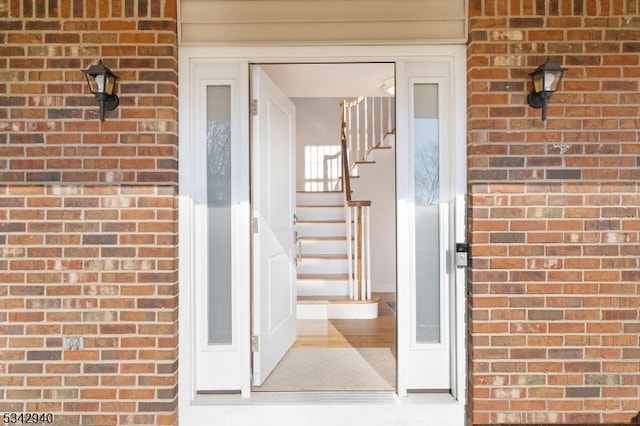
{"type": "Point", "coordinates": [545, 81]}
{"type": "Point", "coordinates": [102, 84]}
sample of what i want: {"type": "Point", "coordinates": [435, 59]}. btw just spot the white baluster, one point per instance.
{"type": "Point", "coordinates": [373, 121]}
{"type": "Point", "coordinates": [367, 246]}
{"type": "Point", "coordinates": [356, 281]}
{"type": "Point", "coordinates": [350, 139]}
{"type": "Point", "coordinates": [381, 126]}
{"type": "Point", "coordinates": [350, 251]}
{"type": "Point", "coordinates": [358, 132]}
{"type": "Point", "coordinates": [366, 128]}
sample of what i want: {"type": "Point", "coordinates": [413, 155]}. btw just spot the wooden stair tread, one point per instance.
{"type": "Point", "coordinates": [320, 221]}
{"type": "Point", "coordinates": [323, 238]}
{"type": "Point", "coordinates": [325, 256]}
{"type": "Point", "coordinates": [378, 147]}
{"type": "Point", "coordinates": [328, 277]}
{"type": "Point", "coordinates": [318, 192]}
{"type": "Point", "coordinates": [319, 205]}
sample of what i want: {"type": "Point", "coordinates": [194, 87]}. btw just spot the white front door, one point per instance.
{"type": "Point", "coordinates": [273, 207]}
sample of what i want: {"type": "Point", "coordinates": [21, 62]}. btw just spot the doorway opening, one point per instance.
{"type": "Point", "coordinates": [324, 283]}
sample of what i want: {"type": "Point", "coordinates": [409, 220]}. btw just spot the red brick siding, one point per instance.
{"type": "Point", "coordinates": [553, 216]}
{"type": "Point", "coordinates": [88, 216]}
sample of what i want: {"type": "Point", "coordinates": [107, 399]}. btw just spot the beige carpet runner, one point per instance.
{"type": "Point", "coordinates": [333, 369]}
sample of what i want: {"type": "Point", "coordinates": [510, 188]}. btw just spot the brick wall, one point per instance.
{"type": "Point", "coordinates": [554, 213]}
{"type": "Point", "coordinates": [88, 217]}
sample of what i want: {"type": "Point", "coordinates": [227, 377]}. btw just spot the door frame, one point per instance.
{"type": "Point", "coordinates": [452, 55]}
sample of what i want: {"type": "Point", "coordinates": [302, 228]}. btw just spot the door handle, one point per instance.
{"type": "Point", "coordinates": [298, 244]}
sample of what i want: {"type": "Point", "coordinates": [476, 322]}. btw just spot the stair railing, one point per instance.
{"type": "Point", "coordinates": [358, 225]}
{"type": "Point", "coordinates": [369, 120]}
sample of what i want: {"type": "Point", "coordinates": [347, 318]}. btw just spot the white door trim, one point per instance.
{"type": "Point", "coordinates": [455, 55]}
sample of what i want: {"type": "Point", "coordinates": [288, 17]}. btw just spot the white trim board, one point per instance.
{"type": "Point", "coordinates": [327, 409]}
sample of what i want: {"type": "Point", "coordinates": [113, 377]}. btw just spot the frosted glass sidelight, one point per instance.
{"type": "Point", "coordinates": [219, 215]}
{"type": "Point", "coordinates": [427, 215]}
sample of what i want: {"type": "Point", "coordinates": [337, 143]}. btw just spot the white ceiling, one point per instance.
{"type": "Point", "coordinates": [330, 80]}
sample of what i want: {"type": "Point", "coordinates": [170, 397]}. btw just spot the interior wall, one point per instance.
{"type": "Point", "coordinates": [377, 184]}
{"type": "Point", "coordinates": [317, 123]}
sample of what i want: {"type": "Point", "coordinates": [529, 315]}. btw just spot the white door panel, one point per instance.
{"type": "Point", "coordinates": [273, 206]}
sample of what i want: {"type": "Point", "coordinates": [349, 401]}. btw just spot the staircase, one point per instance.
{"type": "Point", "coordinates": [333, 227]}
{"type": "Point", "coordinates": [323, 268]}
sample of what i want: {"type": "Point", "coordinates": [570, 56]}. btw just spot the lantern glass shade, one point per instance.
{"type": "Point", "coordinates": [109, 84]}
{"type": "Point", "coordinates": [102, 81]}
{"type": "Point", "coordinates": [97, 85]}
{"type": "Point", "coordinates": [547, 77]}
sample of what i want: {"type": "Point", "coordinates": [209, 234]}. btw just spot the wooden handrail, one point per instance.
{"type": "Point", "coordinates": [346, 181]}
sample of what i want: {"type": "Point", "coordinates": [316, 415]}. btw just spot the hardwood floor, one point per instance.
{"type": "Point", "coordinates": [374, 333]}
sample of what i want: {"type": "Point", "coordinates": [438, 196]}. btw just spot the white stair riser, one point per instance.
{"type": "Point", "coordinates": [322, 288]}
{"type": "Point", "coordinates": [379, 155]}
{"type": "Point", "coordinates": [385, 158]}
{"type": "Point", "coordinates": [390, 140]}
{"type": "Point", "coordinates": [321, 229]}
{"type": "Point", "coordinates": [323, 198]}
{"type": "Point", "coordinates": [323, 247]}
{"type": "Point", "coordinates": [323, 266]}
{"type": "Point", "coordinates": [312, 311]}
{"type": "Point", "coordinates": [320, 213]}
{"type": "Point", "coordinates": [337, 310]}
{"type": "Point", "coordinates": [352, 311]}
